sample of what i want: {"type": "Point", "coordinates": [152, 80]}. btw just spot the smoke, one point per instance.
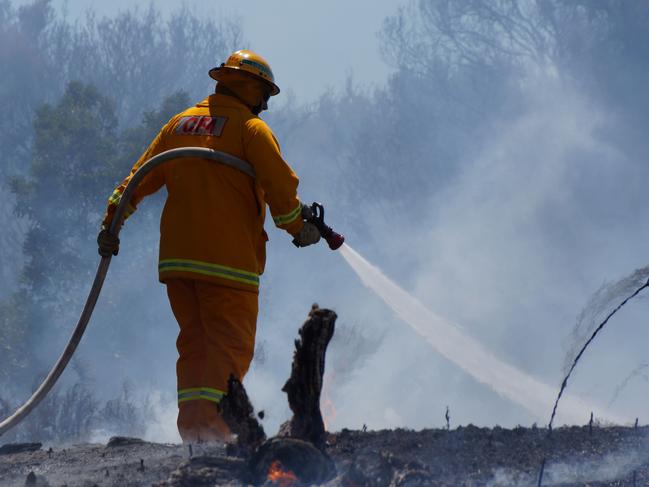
{"type": "Point", "coordinates": [510, 247]}
{"type": "Point", "coordinates": [12, 238]}
{"type": "Point", "coordinates": [517, 239]}
{"type": "Point", "coordinates": [161, 426]}
{"type": "Point", "coordinates": [507, 234]}
{"type": "Point", "coordinates": [502, 192]}
{"type": "Point", "coordinates": [153, 419]}
{"type": "Point", "coordinates": [614, 466]}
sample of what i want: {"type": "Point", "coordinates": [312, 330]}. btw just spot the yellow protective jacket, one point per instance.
{"type": "Point", "coordinates": [212, 223]}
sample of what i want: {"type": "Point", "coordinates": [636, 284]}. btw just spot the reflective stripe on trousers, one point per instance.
{"type": "Point", "coordinates": [195, 393]}
{"type": "Point", "coordinates": [208, 269]}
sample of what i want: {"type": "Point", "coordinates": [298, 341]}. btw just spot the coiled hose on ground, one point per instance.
{"type": "Point", "coordinates": [102, 269]}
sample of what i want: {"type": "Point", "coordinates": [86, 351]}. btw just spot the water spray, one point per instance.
{"type": "Point", "coordinates": [450, 341]}
{"type": "Point", "coordinates": [637, 372]}
{"type": "Point", "coordinates": [564, 384]}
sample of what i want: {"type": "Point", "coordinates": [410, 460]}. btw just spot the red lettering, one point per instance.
{"type": "Point", "coordinates": [201, 125]}
{"type": "Point", "coordinates": [207, 125]}
{"type": "Point", "coordinates": [190, 125]}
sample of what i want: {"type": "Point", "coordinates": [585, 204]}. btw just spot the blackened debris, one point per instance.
{"type": "Point", "coordinates": [116, 441]}
{"type": "Point", "coordinates": [466, 456]}
{"type": "Point", "coordinates": [11, 448]}
{"type": "Point", "coordinates": [413, 476]}
{"type": "Point", "coordinates": [206, 471]}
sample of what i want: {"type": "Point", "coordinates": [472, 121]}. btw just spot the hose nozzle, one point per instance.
{"type": "Point", "coordinates": [315, 214]}
{"type": "Point", "coordinates": [335, 240]}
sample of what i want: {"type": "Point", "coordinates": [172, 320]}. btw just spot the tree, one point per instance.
{"type": "Point", "coordinates": [135, 58]}
{"type": "Point", "coordinates": [604, 45]}
{"type": "Point", "coordinates": [79, 156]}
{"type": "Point", "coordinates": [73, 162]}
{"type": "Point", "coordinates": [23, 34]}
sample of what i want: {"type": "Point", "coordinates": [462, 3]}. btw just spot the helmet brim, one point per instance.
{"type": "Point", "coordinates": [218, 73]}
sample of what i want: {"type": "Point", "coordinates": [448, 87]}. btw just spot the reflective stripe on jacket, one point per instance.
{"type": "Point", "coordinates": [212, 223]}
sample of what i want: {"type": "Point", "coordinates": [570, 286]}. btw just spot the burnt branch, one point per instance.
{"type": "Point", "coordinates": [237, 412]}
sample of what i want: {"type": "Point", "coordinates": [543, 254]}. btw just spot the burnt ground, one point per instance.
{"type": "Point", "coordinates": [466, 456]}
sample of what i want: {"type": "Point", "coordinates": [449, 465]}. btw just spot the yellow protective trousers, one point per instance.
{"type": "Point", "coordinates": [216, 339]}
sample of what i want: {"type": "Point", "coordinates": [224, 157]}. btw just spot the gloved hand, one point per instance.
{"type": "Point", "coordinates": [309, 235]}
{"type": "Point", "coordinates": [108, 243]}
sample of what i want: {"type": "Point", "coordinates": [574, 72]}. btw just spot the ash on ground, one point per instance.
{"type": "Point", "coordinates": [465, 457]}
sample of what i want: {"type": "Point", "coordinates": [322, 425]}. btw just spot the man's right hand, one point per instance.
{"type": "Point", "coordinates": [108, 243]}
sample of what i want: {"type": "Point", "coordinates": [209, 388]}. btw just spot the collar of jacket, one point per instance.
{"type": "Point", "coordinates": [223, 100]}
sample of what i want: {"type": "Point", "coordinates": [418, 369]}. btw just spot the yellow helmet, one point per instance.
{"type": "Point", "coordinates": [245, 61]}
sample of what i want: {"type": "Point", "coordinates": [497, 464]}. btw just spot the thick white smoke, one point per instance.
{"type": "Point", "coordinates": [513, 248]}
{"type": "Point", "coordinates": [517, 226]}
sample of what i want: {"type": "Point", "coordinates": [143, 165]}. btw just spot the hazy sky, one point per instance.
{"type": "Point", "coordinates": [310, 45]}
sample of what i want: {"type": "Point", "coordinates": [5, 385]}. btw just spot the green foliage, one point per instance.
{"type": "Point", "coordinates": [135, 57]}
{"type": "Point", "coordinates": [134, 141]}
{"type": "Point", "coordinates": [79, 156]}
{"type": "Point", "coordinates": [73, 164]}
{"type": "Point", "coordinates": [13, 342]}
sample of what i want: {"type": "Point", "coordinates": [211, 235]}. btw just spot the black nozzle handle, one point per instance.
{"type": "Point", "coordinates": [314, 214]}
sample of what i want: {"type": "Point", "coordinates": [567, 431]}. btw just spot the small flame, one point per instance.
{"type": "Point", "coordinates": [327, 405]}
{"type": "Point", "coordinates": [278, 476]}
{"type": "Point", "coordinates": [329, 412]}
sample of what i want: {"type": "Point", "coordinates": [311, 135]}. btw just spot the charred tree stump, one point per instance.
{"type": "Point", "coordinates": [305, 384]}
{"type": "Point", "coordinates": [237, 412]}
{"type": "Point", "coordinates": [298, 450]}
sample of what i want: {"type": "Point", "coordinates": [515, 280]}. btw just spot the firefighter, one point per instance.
{"type": "Point", "coordinates": [212, 240]}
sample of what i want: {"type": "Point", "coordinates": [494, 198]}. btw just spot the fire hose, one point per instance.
{"type": "Point", "coordinates": [335, 240]}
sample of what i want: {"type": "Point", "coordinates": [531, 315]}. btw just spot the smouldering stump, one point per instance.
{"type": "Point", "coordinates": [295, 457]}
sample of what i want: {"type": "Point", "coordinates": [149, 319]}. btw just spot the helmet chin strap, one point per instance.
{"type": "Point", "coordinates": [255, 109]}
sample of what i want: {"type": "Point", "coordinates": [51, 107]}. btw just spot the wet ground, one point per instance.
{"type": "Point", "coordinates": [466, 456]}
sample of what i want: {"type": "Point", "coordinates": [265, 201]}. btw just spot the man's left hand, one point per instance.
{"type": "Point", "coordinates": [309, 235]}
{"type": "Point", "coordinates": [108, 243]}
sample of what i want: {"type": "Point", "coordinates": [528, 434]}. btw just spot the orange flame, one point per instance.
{"type": "Point", "coordinates": [278, 476]}
{"type": "Point", "coordinates": [327, 405]}
{"type": "Point", "coordinates": [328, 412]}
